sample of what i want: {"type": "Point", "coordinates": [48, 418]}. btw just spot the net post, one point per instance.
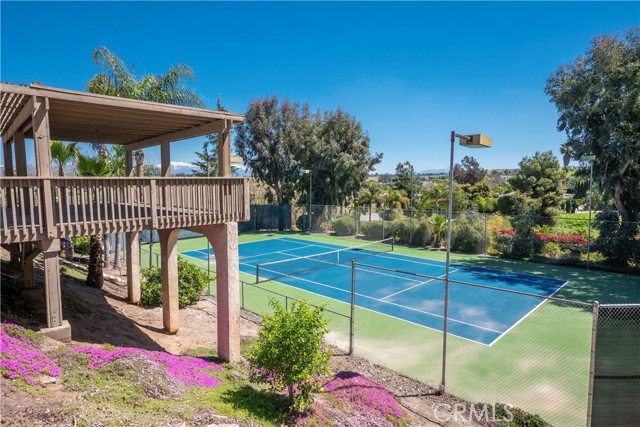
{"type": "Point", "coordinates": [353, 298]}
{"type": "Point", "coordinates": [592, 370]}
{"type": "Point", "coordinates": [257, 273]}
{"type": "Point", "coordinates": [393, 242]}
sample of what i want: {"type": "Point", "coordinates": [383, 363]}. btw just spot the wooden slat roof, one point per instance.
{"type": "Point", "coordinates": [87, 117]}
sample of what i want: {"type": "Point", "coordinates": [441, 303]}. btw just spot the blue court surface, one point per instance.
{"type": "Point", "coordinates": [475, 313]}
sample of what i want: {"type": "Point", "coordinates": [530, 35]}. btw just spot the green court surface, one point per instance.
{"type": "Point", "coordinates": [541, 365]}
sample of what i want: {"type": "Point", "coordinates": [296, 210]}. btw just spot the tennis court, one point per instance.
{"type": "Point", "coordinates": [475, 313]}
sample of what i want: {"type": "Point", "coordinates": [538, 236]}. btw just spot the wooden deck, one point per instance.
{"type": "Point", "coordinates": [37, 208]}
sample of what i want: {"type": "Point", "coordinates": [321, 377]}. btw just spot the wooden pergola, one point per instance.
{"type": "Point", "coordinates": [37, 211]}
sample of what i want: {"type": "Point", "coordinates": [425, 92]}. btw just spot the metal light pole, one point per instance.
{"type": "Point", "coordinates": [308, 171]}
{"type": "Point", "coordinates": [471, 141]}
{"type": "Point", "coordinates": [407, 165]}
{"type": "Point", "coordinates": [589, 159]}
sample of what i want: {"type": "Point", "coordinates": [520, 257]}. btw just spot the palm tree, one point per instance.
{"type": "Point", "coordinates": [116, 165]}
{"type": "Point", "coordinates": [61, 155]}
{"type": "Point", "coordinates": [115, 79]}
{"type": "Point", "coordinates": [94, 167]}
{"type": "Point", "coordinates": [396, 199]}
{"type": "Point", "coordinates": [372, 194]}
{"type": "Point", "coordinates": [439, 225]}
{"type": "Point", "coordinates": [567, 153]}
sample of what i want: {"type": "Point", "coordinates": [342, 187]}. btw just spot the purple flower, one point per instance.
{"type": "Point", "coordinates": [21, 357]}
{"type": "Point", "coordinates": [365, 396]}
{"type": "Point", "coordinates": [190, 371]}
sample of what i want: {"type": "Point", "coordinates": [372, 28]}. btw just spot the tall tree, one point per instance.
{"type": "Point", "coordinates": [207, 163]}
{"type": "Point", "coordinates": [62, 154]}
{"type": "Point", "coordinates": [94, 167]}
{"type": "Point", "coordinates": [339, 157]}
{"type": "Point", "coordinates": [598, 98]}
{"type": "Point", "coordinates": [269, 141]}
{"type": "Point", "coordinates": [567, 153]}
{"type": "Point", "coordinates": [468, 171]}
{"type": "Point", "coordinates": [540, 178]}
{"type": "Point", "coordinates": [115, 79]}
{"type": "Point", "coordinates": [405, 179]}
{"type": "Point", "coordinates": [370, 195]}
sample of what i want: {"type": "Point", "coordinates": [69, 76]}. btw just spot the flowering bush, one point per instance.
{"type": "Point", "coordinates": [21, 357]}
{"type": "Point", "coordinates": [190, 371]}
{"type": "Point", "coordinates": [567, 242]}
{"type": "Point", "coordinates": [365, 396]}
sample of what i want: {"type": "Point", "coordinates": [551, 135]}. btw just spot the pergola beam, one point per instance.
{"type": "Point", "coordinates": [175, 136]}
{"type": "Point", "coordinates": [24, 115]}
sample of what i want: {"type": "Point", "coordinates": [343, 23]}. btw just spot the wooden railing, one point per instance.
{"type": "Point", "coordinates": [36, 208]}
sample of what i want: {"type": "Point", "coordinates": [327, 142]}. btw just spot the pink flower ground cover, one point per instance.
{"type": "Point", "coordinates": [365, 396]}
{"type": "Point", "coordinates": [190, 371]}
{"type": "Point", "coordinates": [21, 357]}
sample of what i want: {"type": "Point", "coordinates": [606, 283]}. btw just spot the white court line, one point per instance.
{"type": "Point", "coordinates": [544, 299]}
{"type": "Point", "coordinates": [397, 258]}
{"type": "Point", "coordinates": [419, 284]}
{"type": "Point", "coordinates": [441, 264]}
{"type": "Point", "coordinates": [283, 251]}
{"type": "Point", "coordinates": [390, 303]}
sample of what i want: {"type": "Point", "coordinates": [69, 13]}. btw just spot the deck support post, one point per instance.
{"type": "Point", "coordinates": [29, 254]}
{"type": "Point", "coordinates": [50, 249]}
{"type": "Point", "coordinates": [132, 246]}
{"type": "Point", "coordinates": [133, 267]}
{"type": "Point", "coordinates": [169, 270]}
{"type": "Point", "coordinates": [224, 240]}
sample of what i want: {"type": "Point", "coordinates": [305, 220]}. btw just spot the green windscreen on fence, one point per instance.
{"type": "Point", "coordinates": [616, 386]}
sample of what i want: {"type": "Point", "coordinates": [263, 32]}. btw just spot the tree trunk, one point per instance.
{"type": "Point", "coordinates": [116, 251]}
{"type": "Point", "coordinates": [95, 277]}
{"type": "Point", "coordinates": [106, 250]}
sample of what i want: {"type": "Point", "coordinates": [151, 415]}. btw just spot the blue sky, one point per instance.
{"type": "Point", "coordinates": [410, 72]}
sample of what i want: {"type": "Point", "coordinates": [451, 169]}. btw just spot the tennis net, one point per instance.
{"type": "Point", "coordinates": [290, 267]}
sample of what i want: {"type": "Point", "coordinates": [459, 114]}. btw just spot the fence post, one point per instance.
{"type": "Point", "coordinates": [241, 293]}
{"type": "Point", "coordinates": [592, 368]}
{"type": "Point", "coordinates": [533, 236]}
{"type": "Point", "coordinates": [485, 233]}
{"type": "Point", "coordinates": [353, 300]}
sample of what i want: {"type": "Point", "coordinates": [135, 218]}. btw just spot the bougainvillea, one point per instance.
{"type": "Point", "coordinates": [364, 396]}
{"type": "Point", "coordinates": [190, 371]}
{"type": "Point", "coordinates": [572, 242]}
{"type": "Point", "coordinates": [21, 357]}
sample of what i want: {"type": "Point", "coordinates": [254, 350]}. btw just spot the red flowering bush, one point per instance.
{"type": "Point", "coordinates": [21, 357]}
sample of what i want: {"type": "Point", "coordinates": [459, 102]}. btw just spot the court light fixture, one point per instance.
{"type": "Point", "coordinates": [470, 141]}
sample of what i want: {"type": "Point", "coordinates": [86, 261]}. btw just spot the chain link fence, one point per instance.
{"type": "Point", "coordinates": [560, 240]}
{"type": "Point", "coordinates": [616, 367]}
{"type": "Point", "coordinates": [537, 360]}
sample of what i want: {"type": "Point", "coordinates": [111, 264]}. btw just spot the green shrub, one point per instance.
{"type": "Point", "coordinates": [81, 244]}
{"type": "Point", "coordinates": [419, 231]}
{"type": "Point", "coordinates": [373, 230]}
{"type": "Point", "coordinates": [553, 250]}
{"type": "Point", "coordinates": [289, 352]}
{"type": "Point", "coordinates": [467, 234]}
{"type": "Point", "coordinates": [344, 226]}
{"type": "Point", "coordinates": [510, 416]}
{"type": "Point", "coordinates": [191, 283]}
